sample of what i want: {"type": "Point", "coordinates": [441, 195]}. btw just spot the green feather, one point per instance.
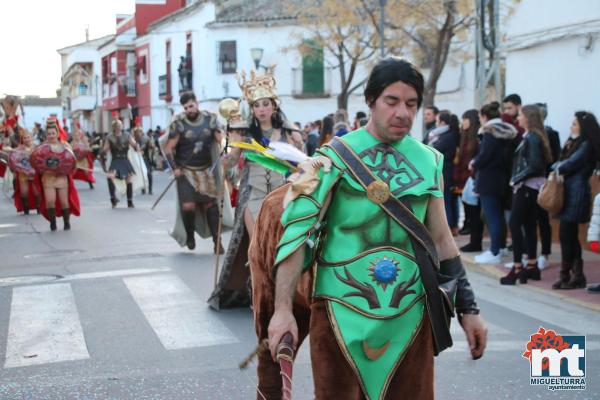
{"type": "Point", "coordinates": [269, 163]}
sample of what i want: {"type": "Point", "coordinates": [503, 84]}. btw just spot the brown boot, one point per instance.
{"type": "Point", "coordinates": [565, 275]}
{"type": "Point", "coordinates": [66, 212]}
{"type": "Point", "coordinates": [52, 218]}
{"type": "Point", "coordinates": [577, 280]}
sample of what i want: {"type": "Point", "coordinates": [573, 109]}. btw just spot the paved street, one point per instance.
{"type": "Point", "coordinates": [115, 309]}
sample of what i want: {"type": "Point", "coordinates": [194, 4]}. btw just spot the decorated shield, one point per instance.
{"type": "Point", "coordinates": [45, 159]}
{"type": "Point", "coordinates": [80, 150]}
{"type": "Point", "coordinates": [18, 161]}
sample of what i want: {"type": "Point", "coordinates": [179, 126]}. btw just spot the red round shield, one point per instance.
{"type": "Point", "coordinates": [81, 151]}
{"type": "Point", "coordinates": [44, 159]}
{"type": "Point", "coordinates": [18, 161]}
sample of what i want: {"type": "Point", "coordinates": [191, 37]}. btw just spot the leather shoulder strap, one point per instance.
{"type": "Point", "coordinates": [393, 206]}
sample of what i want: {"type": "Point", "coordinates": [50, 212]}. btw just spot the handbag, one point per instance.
{"type": "Point", "coordinates": [440, 289]}
{"type": "Point", "coordinates": [468, 195]}
{"type": "Point", "coordinates": [552, 194]}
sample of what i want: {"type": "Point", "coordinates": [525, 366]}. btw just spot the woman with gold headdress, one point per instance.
{"type": "Point", "coordinates": [267, 124]}
{"type": "Point", "coordinates": [59, 195]}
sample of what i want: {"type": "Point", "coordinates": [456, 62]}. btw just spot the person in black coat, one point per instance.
{"type": "Point", "coordinates": [445, 139]}
{"type": "Point", "coordinates": [490, 168]}
{"type": "Point", "coordinates": [577, 162]}
{"type": "Point", "coordinates": [528, 175]}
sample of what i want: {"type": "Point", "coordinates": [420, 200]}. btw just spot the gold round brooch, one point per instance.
{"type": "Point", "coordinates": [378, 192]}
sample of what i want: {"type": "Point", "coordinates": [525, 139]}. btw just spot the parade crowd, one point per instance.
{"type": "Point", "coordinates": [284, 189]}
{"type": "Point", "coordinates": [496, 160]}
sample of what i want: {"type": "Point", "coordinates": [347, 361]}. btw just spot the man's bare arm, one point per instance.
{"type": "Point", "coordinates": [286, 281]}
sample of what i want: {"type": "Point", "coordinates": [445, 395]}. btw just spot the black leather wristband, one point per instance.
{"type": "Point", "coordinates": [465, 298]}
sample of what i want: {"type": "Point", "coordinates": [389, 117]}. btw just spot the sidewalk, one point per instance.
{"type": "Point", "coordinates": [581, 297]}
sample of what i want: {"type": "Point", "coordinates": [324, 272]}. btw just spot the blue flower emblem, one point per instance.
{"type": "Point", "coordinates": [384, 271]}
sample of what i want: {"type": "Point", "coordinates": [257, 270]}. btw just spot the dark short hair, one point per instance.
{"type": "Point", "coordinates": [360, 115]}
{"type": "Point", "coordinates": [513, 98]}
{"type": "Point", "coordinates": [543, 109]}
{"type": "Point", "coordinates": [391, 70]}
{"type": "Point", "coordinates": [491, 110]}
{"type": "Point", "coordinates": [187, 96]}
{"type": "Point", "coordinates": [435, 110]}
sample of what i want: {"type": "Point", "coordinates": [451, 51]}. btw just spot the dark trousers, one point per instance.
{"type": "Point", "coordinates": [473, 216]}
{"type": "Point", "coordinates": [569, 241]}
{"type": "Point", "coordinates": [493, 212]}
{"type": "Point", "coordinates": [523, 218]}
{"type": "Point", "coordinates": [543, 221]}
{"type": "Point", "coordinates": [451, 205]}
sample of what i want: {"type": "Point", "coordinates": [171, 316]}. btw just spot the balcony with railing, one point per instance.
{"type": "Point", "coordinates": [311, 82]}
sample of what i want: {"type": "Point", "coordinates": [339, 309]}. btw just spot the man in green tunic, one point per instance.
{"type": "Point", "coordinates": [373, 329]}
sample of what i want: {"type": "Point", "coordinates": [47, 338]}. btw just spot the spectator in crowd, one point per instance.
{"type": "Point", "coordinates": [38, 133]}
{"type": "Point", "coordinates": [490, 168]}
{"type": "Point", "coordinates": [430, 114]}
{"type": "Point", "coordinates": [312, 141]}
{"type": "Point", "coordinates": [577, 161]}
{"type": "Point", "coordinates": [357, 120]}
{"type": "Point", "coordinates": [511, 106]}
{"type": "Point", "coordinates": [528, 175]}
{"type": "Point", "coordinates": [593, 235]}
{"type": "Point", "coordinates": [469, 146]}
{"type": "Point", "coordinates": [543, 217]}
{"type": "Point", "coordinates": [444, 139]}
{"type": "Point", "coordinates": [341, 125]}
{"type": "Point", "coordinates": [326, 133]}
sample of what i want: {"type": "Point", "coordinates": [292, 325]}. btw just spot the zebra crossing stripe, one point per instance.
{"type": "Point", "coordinates": [44, 326]}
{"type": "Point", "coordinates": [177, 316]}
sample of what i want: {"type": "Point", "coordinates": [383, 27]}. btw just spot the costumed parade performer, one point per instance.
{"type": "Point", "coordinates": [268, 124]}
{"type": "Point", "coordinates": [54, 162]}
{"type": "Point", "coordinates": [117, 144]}
{"type": "Point", "coordinates": [192, 149]}
{"type": "Point", "coordinates": [387, 277]}
{"type": "Point", "coordinates": [27, 191]}
{"type": "Point", "coordinates": [85, 158]}
{"type": "Point", "coordinates": [147, 148]}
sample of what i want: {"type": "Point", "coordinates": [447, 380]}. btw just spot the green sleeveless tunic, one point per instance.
{"type": "Point", "coordinates": [364, 264]}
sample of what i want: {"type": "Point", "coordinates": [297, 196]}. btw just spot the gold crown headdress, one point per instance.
{"type": "Point", "coordinates": [258, 86]}
{"type": "Point", "coordinates": [230, 110]}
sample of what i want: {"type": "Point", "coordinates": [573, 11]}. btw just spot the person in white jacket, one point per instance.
{"type": "Point", "coordinates": [593, 236]}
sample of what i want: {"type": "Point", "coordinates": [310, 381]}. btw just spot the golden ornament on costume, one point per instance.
{"type": "Point", "coordinates": [378, 192]}
{"type": "Point", "coordinates": [258, 86]}
{"type": "Point", "coordinates": [230, 110]}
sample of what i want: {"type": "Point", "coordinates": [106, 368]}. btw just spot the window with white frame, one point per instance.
{"type": "Point", "coordinates": [227, 57]}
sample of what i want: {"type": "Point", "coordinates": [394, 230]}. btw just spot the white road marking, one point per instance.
{"type": "Point", "coordinates": [44, 327]}
{"type": "Point", "coordinates": [2, 226]}
{"type": "Point", "coordinates": [113, 273]}
{"type": "Point", "coordinates": [177, 316]}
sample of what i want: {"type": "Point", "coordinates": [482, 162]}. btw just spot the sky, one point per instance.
{"type": "Point", "coordinates": [32, 31]}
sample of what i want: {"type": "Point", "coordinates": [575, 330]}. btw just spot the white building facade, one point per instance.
{"type": "Point", "coordinates": [553, 56]}
{"type": "Point", "coordinates": [36, 109]}
{"type": "Point", "coordinates": [81, 86]}
{"type": "Point", "coordinates": [219, 44]}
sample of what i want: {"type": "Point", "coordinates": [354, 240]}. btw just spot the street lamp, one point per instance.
{"type": "Point", "coordinates": [256, 53]}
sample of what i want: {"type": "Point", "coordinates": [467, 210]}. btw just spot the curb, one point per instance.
{"type": "Point", "coordinates": [491, 271]}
